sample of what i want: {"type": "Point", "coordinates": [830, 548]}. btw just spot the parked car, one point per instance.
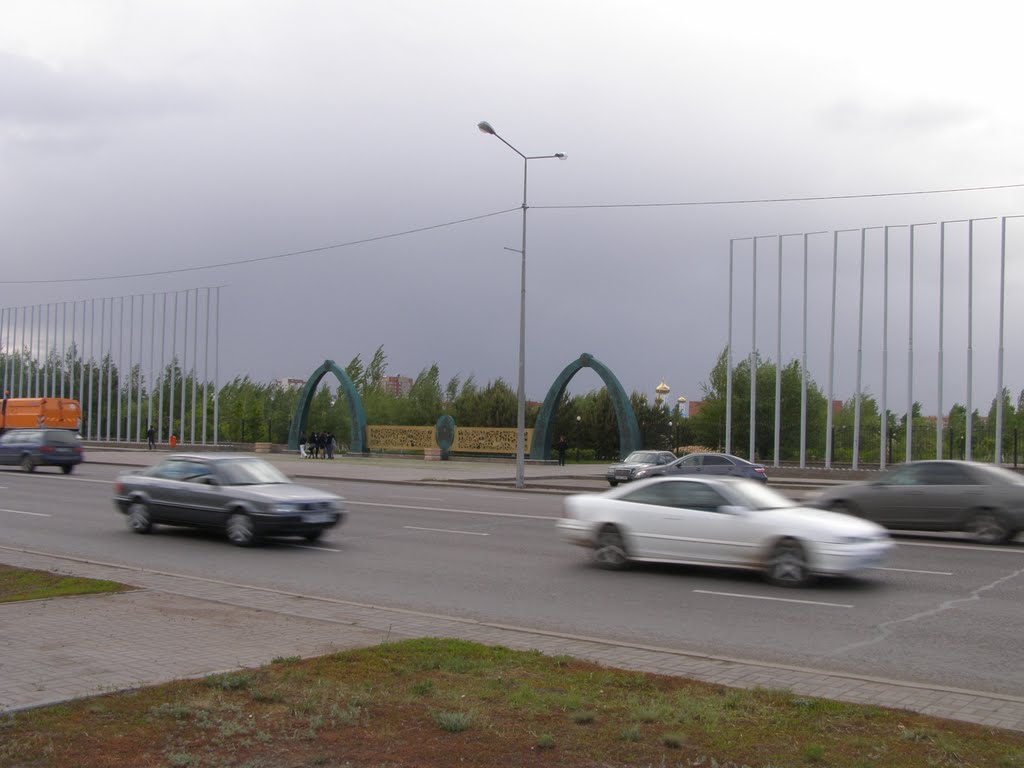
{"type": "Point", "coordinates": [31, 448]}
{"type": "Point", "coordinates": [984, 500]}
{"type": "Point", "coordinates": [718, 464]}
{"type": "Point", "coordinates": [245, 497]}
{"type": "Point", "coordinates": [627, 469]}
{"type": "Point", "coordinates": [723, 521]}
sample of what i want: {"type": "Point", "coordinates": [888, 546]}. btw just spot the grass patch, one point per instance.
{"type": "Point", "coordinates": [23, 584]}
{"type": "Point", "coordinates": [444, 702]}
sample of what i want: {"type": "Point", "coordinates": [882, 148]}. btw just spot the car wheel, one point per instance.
{"type": "Point", "coordinates": [313, 535]}
{"type": "Point", "coordinates": [987, 527]}
{"type": "Point", "coordinates": [787, 566]}
{"type": "Point", "coordinates": [27, 464]}
{"type": "Point", "coordinates": [843, 507]}
{"type": "Point", "coordinates": [613, 483]}
{"type": "Point", "coordinates": [241, 531]}
{"type": "Point", "coordinates": [139, 518]}
{"type": "Point", "coordinates": [611, 549]}
{"type": "Point", "coordinates": [66, 469]}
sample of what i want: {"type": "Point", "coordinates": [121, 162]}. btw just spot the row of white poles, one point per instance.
{"type": "Point", "coordinates": [66, 360]}
{"type": "Point", "coordinates": [911, 229]}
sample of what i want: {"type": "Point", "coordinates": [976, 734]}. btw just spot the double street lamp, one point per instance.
{"type": "Point", "coordinates": [485, 127]}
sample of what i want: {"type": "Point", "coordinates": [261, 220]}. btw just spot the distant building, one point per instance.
{"type": "Point", "coordinates": [291, 383]}
{"type": "Point", "coordinates": [692, 407]}
{"type": "Point", "coordinates": [398, 386]}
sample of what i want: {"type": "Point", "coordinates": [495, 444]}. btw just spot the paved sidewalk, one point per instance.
{"type": "Point", "coordinates": [176, 626]}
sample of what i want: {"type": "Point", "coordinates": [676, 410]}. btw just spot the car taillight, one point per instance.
{"type": "Point", "coordinates": [78, 449]}
{"type": "Point", "coordinates": [46, 449]}
{"type": "Point", "coordinates": [759, 469]}
{"type": "Point", "coordinates": [118, 487]}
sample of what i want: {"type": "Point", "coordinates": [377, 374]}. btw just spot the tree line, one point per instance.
{"type": "Point", "coordinates": [116, 402]}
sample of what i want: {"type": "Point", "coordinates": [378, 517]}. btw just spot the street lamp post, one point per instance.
{"type": "Point", "coordinates": [485, 127]}
{"type": "Point", "coordinates": [580, 418]}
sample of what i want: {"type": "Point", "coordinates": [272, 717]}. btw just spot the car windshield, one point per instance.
{"type": "Point", "coordinates": [249, 472]}
{"type": "Point", "coordinates": [642, 457]}
{"type": "Point", "coordinates": [754, 495]}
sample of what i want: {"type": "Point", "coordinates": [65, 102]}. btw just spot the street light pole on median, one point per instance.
{"type": "Point", "coordinates": [485, 127]}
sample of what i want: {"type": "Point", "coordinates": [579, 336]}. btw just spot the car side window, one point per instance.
{"type": "Point", "coordinates": [689, 461]}
{"type": "Point", "coordinates": [946, 474]}
{"type": "Point", "coordinates": [716, 461]}
{"type": "Point", "coordinates": [173, 469]}
{"type": "Point", "coordinates": [909, 475]}
{"type": "Point", "coordinates": [696, 496]}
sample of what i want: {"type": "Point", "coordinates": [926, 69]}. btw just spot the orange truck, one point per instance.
{"type": "Point", "coordinates": [36, 412]}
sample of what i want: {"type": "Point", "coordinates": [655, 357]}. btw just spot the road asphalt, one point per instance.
{"type": "Point", "coordinates": [173, 626]}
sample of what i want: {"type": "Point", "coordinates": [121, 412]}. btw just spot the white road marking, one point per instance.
{"type": "Point", "coordinates": [775, 599]}
{"type": "Point", "coordinates": [65, 478]}
{"type": "Point", "coordinates": [445, 509]}
{"type": "Point", "coordinates": [976, 548]}
{"type": "Point", "coordinates": [309, 546]}
{"type": "Point", "coordinates": [20, 512]}
{"type": "Point", "coordinates": [444, 530]}
{"type": "Point", "coordinates": [418, 498]}
{"type": "Point", "coordinates": [911, 570]}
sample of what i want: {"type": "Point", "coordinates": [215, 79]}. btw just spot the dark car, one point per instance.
{"type": "Point", "coordinates": [984, 500]}
{"type": "Point", "coordinates": [710, 464]}
{"type": "Point", "coordinates": [245, 497]}
{"type": "Point", "coordinates": [627, 469]}
{"type": "Point", "coordinates": [31, 448]}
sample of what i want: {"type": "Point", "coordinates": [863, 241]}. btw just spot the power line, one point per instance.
{"type": "Point", "coordinates": [455, 222]}
{"type": "Point", "coordinates": [783, 199]}
{"type": "Point", "coordinates": [257, 259]}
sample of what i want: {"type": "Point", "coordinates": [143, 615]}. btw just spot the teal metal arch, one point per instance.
{"type": "Point", "coordinates": [357, 416]}
{"type": "Point", "coordinates": [543, 430]}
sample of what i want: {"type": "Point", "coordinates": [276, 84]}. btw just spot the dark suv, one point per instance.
{"type": "Point", "coordinates": [31, 448]}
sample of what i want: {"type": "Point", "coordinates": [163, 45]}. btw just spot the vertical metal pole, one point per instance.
{"type": "Point", "coordinates": [152, 347]}
{"type": "Point", "coordinates": [942, 302]}
{"type": "Point", "coordinates": [174, 358]}
{"type": "Point", "coordinates": [803, 372]}
{"type": "Point", "coordinates": [92, 366]}
{"type": "Point", "coordinates": [163, 370]}
{"type": "Point", "coordinates": [884, 431]}
{"type": "Point", "coordinates": [81, 368]}
{"type": "Point", "coordinates": [139, 380]}
{"type": "Point", "coordinates": [64, 347]}
{"type": "Point", "coordinates": [778, 365]}
{"type": "Point", "coordinates": [104, 413]}
{"type": "Point", "coordinates": [860, 355]}
{"type": "Point", "coordinates": [831, 354]}
{"type": "Point", "coordinates": [22, 377]}
{"type": "Point", "coordinates": [184, 376]}
{"type": "Point", "coordinates": [120, 366]}
{"type": "Point", "coordinates": [5, 325]}
{"type": "Point", "coordinates": [206, 363]}
{"type": "Point", "coordinates": [753, 353]}
{"type": "Point", "coordinates": [998, 457]}
{"type": "Point", "coordinates": [728, 362]}
{"type": "Point", "coordinates": [46, 353]}
{"type": "Point", "coordinates": [910, 355]}
{"type": "Point", "coordinates": [216, 375]}
{"type": "Point", "coordinates": [37, 323]}
{"type": "Point", "coordinates": [131, 369]}
{"type": "Point", "coordinates": [969, 431]}
{"type": "Point", "coordinates": [195, 350]}
{"type": "Point", "coordinates": [78, 352]}
{"type": "Point", "coordinates": [521, 398]}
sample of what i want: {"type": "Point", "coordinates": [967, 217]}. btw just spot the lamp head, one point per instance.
{"type": "Point", "coordinates": [485, 127]}
{"type": "Point", "coordinates": [559, 155]}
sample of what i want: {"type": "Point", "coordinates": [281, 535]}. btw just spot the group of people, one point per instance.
{"type": "Point", "coordinates": [321, 445]}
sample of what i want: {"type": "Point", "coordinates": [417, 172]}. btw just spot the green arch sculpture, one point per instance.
{"type": "Point", "coordinates": [357, 416]}
{"type": "Point", "coordinates": [543, 430]}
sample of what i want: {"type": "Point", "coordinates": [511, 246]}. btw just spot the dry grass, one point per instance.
{"type": "Point", "coordinates": [446, 702]}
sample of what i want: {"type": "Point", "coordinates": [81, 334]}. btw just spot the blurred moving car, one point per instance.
{"type": "Point", "coordinates": [245, 497]}
{"type": "Point", "coordinates": [718, 464]}
{"type": "Point", "coordinates": [627, 469]}
{"type": "Point", "coordinates": [984, 500]}
{"type": "Point", "coordinates": [725, 521]}
{"type": "Point", "coordinates": [31, 448]}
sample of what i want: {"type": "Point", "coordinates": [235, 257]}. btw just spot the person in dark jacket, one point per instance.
{"type": "Point", "coordinates": [563, 446]}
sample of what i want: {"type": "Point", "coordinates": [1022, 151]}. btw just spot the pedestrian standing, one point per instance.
{"type": "Point", "coordinates": [151, 437]}
{"type": "Point", "coordinates": [563, 446]}
{"type": "Point", "coordinates": [302, 445]}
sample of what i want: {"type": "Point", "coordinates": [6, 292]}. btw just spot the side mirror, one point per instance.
{"type": "Point", "coordinates": [729, 509]}
{"type": "Point", "coordinates": [208, 480]}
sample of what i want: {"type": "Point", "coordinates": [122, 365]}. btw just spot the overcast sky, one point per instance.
{"type": "Point", "coordinates": [148, 136]}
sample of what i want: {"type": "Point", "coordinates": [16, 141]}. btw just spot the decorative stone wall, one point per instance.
{"type": "Point", "coordinates": [500, 441]}
{"type": "Point", "coordinates": [387, 438]}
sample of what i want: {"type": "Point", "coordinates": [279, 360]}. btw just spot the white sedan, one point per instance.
{"type": "Point", "coordinates": [722, 522]}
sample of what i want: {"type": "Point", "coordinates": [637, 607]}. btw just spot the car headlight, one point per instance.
{"type": "Point", "coordinates": [853, 539]}
{"type": "Point", "coordinates": [285, 509]}
{"type": "Point", "coordinates": [640, 472]}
